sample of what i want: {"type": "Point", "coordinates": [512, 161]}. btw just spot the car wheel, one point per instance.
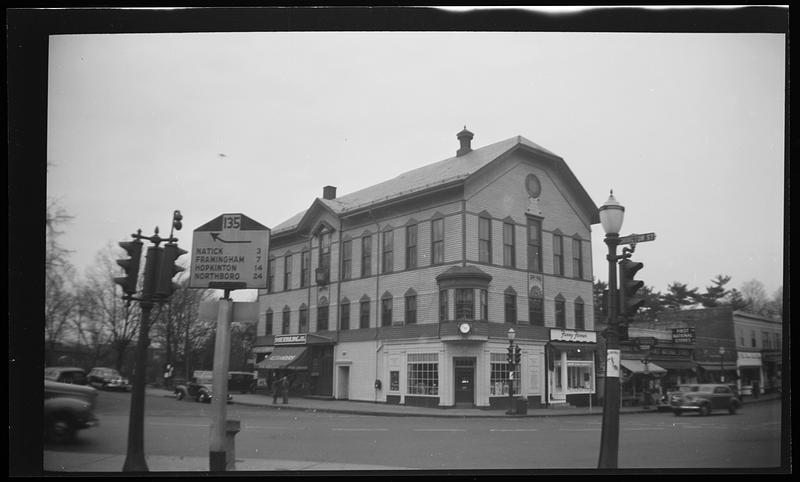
{"type": "Point", "coordinates": [179, 395]}
{"type": "Point", "coordinates": [105, 386]}
{"type": "Point", "coordinates": [59, 429]}
{"type": "Point", "coordinates": [677, 413]}
{"type": "Point", "coordinates": [203, 398]}
{"type": "Point", "coordinates": [732, 409]}
{"type": "Point", "coordinates": [705, 410]}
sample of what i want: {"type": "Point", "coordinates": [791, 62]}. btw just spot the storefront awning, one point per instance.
{"type": "Point", "coordinates": [676, 365]}
{"type": "Point", "coordinates": [635, 366]}
{"type": "Point", "coordinates": [287, 358]}
{"type": "Point", "coordinates": [714, 367]}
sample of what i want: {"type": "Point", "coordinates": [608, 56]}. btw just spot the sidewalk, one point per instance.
{"type": "Point", "coordinates": [59, 462]}
{"type": "Point", "coordinates": [380, 408]}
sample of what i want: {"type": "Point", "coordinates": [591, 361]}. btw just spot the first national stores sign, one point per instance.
{"type": "Point", "coordinates": [230, 252]}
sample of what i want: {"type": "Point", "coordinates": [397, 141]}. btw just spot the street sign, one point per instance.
{"type": "Point", "coordinates": [230, 252]}
{"type": "Point", "coordinates": [637, 238]}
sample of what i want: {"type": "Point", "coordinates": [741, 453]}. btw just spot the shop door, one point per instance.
{"type": "Point", "coordinates": [324, 382]}
{"type": "Point", "coordinates": [343, 392]}
{"type": "Point", "coordinates": [464, 382]}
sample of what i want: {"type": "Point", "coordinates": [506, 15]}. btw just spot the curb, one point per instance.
{"type": "Point", "coordinates": [379, 413]}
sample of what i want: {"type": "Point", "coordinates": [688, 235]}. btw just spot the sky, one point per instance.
{"type": "Point", "coordinates": [686, 128]}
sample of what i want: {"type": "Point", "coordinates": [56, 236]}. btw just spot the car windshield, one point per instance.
{"type": "Point", "coordinates": [705, 389]}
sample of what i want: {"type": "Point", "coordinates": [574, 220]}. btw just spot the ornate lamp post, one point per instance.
{"type": "Point", "coordinates": [611, 216]}
{"type": "Point", "coordinates": [721, 367]}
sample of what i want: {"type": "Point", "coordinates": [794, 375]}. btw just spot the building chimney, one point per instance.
{"type": "Point", "coordinates": [329, 192]}
{"type": "Point", "coordinates": [465, 137]}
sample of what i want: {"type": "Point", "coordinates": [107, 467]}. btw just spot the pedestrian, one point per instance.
{"type": "Point", "coordinates": [276, 389]}
{"type": "Point", "coordinates": [284, 384]}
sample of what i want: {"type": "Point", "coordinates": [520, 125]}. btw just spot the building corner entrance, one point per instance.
{"type": "Point", "coordinates": [464, 380]}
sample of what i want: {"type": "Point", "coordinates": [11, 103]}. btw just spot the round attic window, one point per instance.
{"type": "Point", "coordinates": [533, 186]}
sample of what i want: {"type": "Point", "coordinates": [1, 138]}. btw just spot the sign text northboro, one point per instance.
{"type": "Point", "coordinates": [230, 252]}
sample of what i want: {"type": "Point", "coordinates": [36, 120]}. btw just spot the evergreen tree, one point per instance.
{"type": "Point", "coordinates": [679, 296]}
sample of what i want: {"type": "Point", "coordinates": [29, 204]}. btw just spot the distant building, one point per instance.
{"type": "Point", "coordinates": [737, 346]}
{"type": "Point", "coordinates": [404, 292]}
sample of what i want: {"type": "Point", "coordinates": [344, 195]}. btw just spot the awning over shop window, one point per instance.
{"type": "Point", "coordinates": [714, 367]}
{"type": "Point", "coordinates": [677, 364]}
{"type": "Point", "coordinates": [287, 358]}
{"type": "Point", "coordinates": [635, 366]}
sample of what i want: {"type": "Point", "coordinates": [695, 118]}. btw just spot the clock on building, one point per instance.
{"type": "Point", "coordinates": [464, 328]}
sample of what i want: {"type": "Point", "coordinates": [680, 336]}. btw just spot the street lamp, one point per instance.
{"type": "Point", "coordinates": [611, 216]}
{"type": "Point", "coordinates": [511, 335]}
{"type": "Point", "coordinates": [721, 368]}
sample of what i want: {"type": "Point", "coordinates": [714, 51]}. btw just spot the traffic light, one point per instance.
{"type": "Point", "coordinates": [168, 269]}
{"type": "Point", "coordinates": [517, 354]}
{"type": "Point", "coordinates": [130, 265]}
{"type": "Point", "coordinates": [628, 286]}
{"type": "Point", "coordinates": [510, 355]}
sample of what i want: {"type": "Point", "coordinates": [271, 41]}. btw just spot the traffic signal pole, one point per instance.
{"type": "Point", "coordinates": [609, 439]}
{"type": "Point", "coordinates": [134, 459]}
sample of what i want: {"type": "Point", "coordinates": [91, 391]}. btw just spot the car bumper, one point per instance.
{"type": "Point", "coordinates": [686, 407]}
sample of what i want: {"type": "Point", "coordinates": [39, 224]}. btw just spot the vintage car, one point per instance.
{"type": "Point", "coordinates": [703, 398]}
{"type": "Point", "coordinates": [663, 403]}
{"type": "Point", "coordinates": [67, 408]}
{"type": "Point", "coordinates": [108, 379]}
{"type": "Point", "coordinates": [242, 382]}
{"type": "Point", "coordinates": [198, 388]}
{"type": "Point", "coordinates": [73, 375]}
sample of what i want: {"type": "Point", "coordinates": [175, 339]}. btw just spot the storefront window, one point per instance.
{"type": "Point", "coordinates": [579, 377]}
{"type": "Point", "coordinates": [498, 378]}
{"type": "Point", "coordinates": [423, 374]}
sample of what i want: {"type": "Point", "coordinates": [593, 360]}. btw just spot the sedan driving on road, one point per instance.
{"type": "Point", "coordinates": [703, 398]}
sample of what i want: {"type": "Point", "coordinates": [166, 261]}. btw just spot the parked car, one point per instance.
{"type": "Point", "coordinates": [108, 379]}
{"type": "Point", "coordinates": [243, 382]}
{"type": "Point", "coordinates": [67, 408]}
{"type": "Point", "coordinates": [73, 375]}
{"type": "Point", "coordinates": [703, 398]}
{"type": "Point", "coordinates": [198, 388]}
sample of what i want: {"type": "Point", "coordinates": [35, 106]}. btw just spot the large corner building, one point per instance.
{"type": "Point", "coordinates": [404, 292]}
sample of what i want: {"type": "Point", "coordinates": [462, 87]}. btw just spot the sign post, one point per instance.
{"type": "Point", "coordinates": [229, 252]}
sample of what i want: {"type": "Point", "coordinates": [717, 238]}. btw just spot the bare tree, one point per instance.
{"type": "Point", "coordinates": [111, 322]}
{"type": "Point", "coordinates": [60, 301]}
{"type": "Point", "coordinates": [179, 330]}
{"type": "Point", "coordinates": [755, 295]}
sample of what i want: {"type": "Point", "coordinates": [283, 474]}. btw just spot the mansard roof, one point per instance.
{"type": "Point", "coordinates": [453, 170]}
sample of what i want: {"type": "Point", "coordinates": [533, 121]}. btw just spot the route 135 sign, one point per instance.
{"type": "Point", "coordinates": [230, 252]}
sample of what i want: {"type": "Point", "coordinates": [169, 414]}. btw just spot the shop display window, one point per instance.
{"type": "Point", "coordinates": [498, 378]}
{"type": "Point", "coordinates": [423, 374]}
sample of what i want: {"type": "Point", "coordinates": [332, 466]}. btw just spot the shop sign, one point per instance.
{"type": "Point", "coordinates": [683, 335]}
{"type": "Point", "coordinates": [290, 339]}
{"type": "Point", "coordinates": [746, 358]}
{"type": "Point", "coordinates": [561, 334]}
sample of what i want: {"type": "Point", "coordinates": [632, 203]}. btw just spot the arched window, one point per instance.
{"type": "Point", "coordinates": [386, 309]}
{"type": "Point", "coordinates": [580, 321]}
{"type": "Point", "coordinates": [536, 306]}
{"type": "Point", "coordinates": [344, 314]}
{"type": "Point", "coordinates": [268, 322]}
{"type": "Point", "coordinates": [285, 321]}
{"type": "Point", "coordinates": [510, 302]}
{"type": "Point", "coordinates": [363, 312]}
{"type": "Point", "coordinates": [322, 314]}
{"type": "Point", "coordinates": [303, 319]}
{"type": "Point", "coordinates": [411, 306]}
{"type": "Point", "coordinates": [561, 312]}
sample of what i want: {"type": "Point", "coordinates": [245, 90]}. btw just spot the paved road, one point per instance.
{"type": "Point", "coordinates": [294, 440]}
